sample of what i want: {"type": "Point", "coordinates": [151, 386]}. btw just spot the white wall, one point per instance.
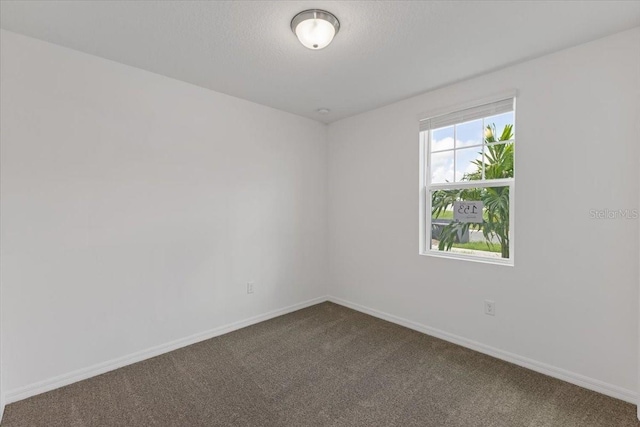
{"type": "Point", "coordinates": [136, 207]}
{"type": "Point", "coordinates": [1, 388]}
{"type": "Point", "coordinates": [570, 304]}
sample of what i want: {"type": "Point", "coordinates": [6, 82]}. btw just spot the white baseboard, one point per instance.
{"type": "Point", "coordinates": [1, 408]}
{"type": "Point", "coordinates": [101, 368]}
{"type": "Point", "coordinates": [552, 371]}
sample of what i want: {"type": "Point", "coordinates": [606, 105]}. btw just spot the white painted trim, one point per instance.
{"type": "Point", "coordinates": [543, 368]}
{"type": "Point", "coordinates": [434, 112]}
{"type": "Point", "coordinates": [110, 365]}
{"type": "Point", "coordinates": [465, 257]}
{"type": "Point", "coordinates": [101, 368]}
{"type": "Point", "coordinates": [1, 408]}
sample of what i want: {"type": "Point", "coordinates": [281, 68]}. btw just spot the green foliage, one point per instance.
{"type": "Point", "coordinates": [445, 215]}
{"type": "Point", "coordinates": [479, 246]}
{"type": "Point", "coordinates": [497, 163]}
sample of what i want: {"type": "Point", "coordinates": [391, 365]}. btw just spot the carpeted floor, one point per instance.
{"type": "Point", "coordinates": [322, 366]}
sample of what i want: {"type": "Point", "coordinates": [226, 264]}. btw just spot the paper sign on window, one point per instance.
{"type": "Point", "coordinates": [468, 211]}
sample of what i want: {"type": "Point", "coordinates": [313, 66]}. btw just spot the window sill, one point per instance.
{"type": "Point", "coordinates": [463, 257]}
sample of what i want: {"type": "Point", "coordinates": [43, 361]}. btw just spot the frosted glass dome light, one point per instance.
{"type": "Point", "coordinates": [315, 28]}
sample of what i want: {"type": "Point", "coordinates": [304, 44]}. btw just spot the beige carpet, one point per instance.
{"type": "Point", "coordinates": [322, 366]}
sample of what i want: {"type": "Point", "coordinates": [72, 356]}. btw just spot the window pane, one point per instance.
{"type": "Point", "coordinates": [489, 239]}
{"type": "Point", "coordinates": [466, 169]}
{"type": "Point", "coordinates": [442, 139]}
{"type": "Point", "coordinates": [469, 133]}
{"type": "Point", "coordinates": [500, 121]}
{"type": "Point", "coordinates": [498, 160]}
{"type": "Point", "coordinates": [442, 167]}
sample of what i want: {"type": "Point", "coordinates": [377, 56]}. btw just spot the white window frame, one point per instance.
{"type": "Point", "coordinates": [426, 187]}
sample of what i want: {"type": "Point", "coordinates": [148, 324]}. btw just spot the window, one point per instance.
{"type": "Point", "coordinates": [467, 183]}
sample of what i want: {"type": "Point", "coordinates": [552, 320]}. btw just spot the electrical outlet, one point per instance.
{"type": "Point", "coordinates": [249, 287]}
{"type": "Point", "coordinates": [489, 307]}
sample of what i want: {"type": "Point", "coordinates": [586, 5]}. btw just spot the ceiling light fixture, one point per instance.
{"type": "Point", "coordinates": [315, 28]}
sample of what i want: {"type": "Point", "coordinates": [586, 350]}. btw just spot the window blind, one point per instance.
{"type": "Point", "coordinates": [473, 113]}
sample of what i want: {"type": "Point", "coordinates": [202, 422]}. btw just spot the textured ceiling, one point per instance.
{"type": "Point", "coordinates": [385, 51]}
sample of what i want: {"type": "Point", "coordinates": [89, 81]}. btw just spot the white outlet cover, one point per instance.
{"type": "Point", "coordinates": [250, 287]}
{"type": "Point", "coordinates": [490, 307]}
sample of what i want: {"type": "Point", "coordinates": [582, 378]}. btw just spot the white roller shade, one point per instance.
{"type": "Point", "coordinates": [473, 113]}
